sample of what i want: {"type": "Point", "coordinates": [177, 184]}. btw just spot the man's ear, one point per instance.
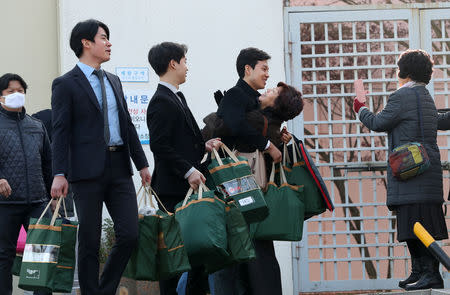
{"type": "Point", "coordinates": [172, 64]}
{"type": "Point", "coordinates": [247, 70]}
{"type": "Point", "coordinates": [85, 43]}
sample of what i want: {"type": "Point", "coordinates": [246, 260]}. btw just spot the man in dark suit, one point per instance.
{"type": "Point", "coordinates": [93, 139]}
{"type": "Point", "coordinates": [175, 140]}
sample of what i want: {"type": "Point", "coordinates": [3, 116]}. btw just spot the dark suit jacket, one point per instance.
{"type": "Point", "coordinates": [233, 107]}
{"type": "Point", "coordinates": [46, 117]}
{"type": "Point", "coordinates": [79, 147]}
{"type": "Point", "coordinates": [177, 145]}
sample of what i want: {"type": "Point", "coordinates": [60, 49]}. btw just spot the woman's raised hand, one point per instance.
{"type": "Point", "coordinates": [360, 91]}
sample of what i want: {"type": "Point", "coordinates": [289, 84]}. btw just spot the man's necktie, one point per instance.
{"type": "Point", "coordinates": [183, 99]}
{"type": "Point", "coordinates": [99, 74]}
{"type": "Point", "coordinates": [187, 111]}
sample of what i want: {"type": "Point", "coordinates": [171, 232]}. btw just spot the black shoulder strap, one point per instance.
{"type": "Point", "coordinates": [419, 112]}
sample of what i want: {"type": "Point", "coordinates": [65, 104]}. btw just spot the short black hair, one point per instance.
{"type": "Point", "coordinates": [6, 78]}
{"type": "Point", "coordinates": [249, 56]}
{"type": "Point", "coordinates": [85, 30]}
{"type": "Point", "coordinates": [160, 55]}
{"type": "Point", "coordinates": [415, 64]}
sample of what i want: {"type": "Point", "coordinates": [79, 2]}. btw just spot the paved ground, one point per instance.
{"type": "Point", "coordinates": [421, 292]}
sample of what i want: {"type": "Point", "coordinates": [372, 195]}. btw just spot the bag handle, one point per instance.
{"type": "Point", "coordinates": [272, 173]}
{"type": "Point", "coordinates": [151, 192]}
{"type": "Point", "coordinates": [55, 214]}
{"type": "Point", "coordinates": [296, 152]}
{"type": "Point", "coordinates": [230, 153]}
{"type": "Point", "coordinates": [145, 196]}
{"type": "Point", "coordinates": [286, 157]}
{"type": "Point", "coordinates": [419, 111]}
{"type": "Point", "coordinates": [215, 155]}
{"type": "Point", "coordinates": [201, 188]}
{"type": "Point", "coordinates": [64, 206]}
{"type": "Point", "coordinates": [282, 174]}
{"type": "Point", "coordinates": [226, 150]}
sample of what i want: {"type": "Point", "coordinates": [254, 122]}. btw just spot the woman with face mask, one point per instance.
{"type": "Point", "coordinates": [25, 171]}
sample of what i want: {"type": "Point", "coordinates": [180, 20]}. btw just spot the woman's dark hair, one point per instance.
{"type": "Point", "coordinates": [85, 30]}
{"type": "Point", "coordinates": [288, 104]}
{"type": "Point", "coordinates": [249, 56]}
{"type": "Point", "coordinates": [415, 64]}
{"type": "Point", "coordinates": [6, 78]}
{"type": "Point", "coordinates": [160, 56]}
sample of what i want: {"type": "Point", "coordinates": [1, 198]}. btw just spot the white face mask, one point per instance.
{"type": "Point", "coordinates": [14, 101]}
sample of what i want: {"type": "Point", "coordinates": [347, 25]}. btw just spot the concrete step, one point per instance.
{"type": "Point", "coordinates": [419, 292]}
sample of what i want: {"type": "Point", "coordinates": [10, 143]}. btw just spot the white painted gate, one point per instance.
{"type": "Point", "coordinates": [327, 48]}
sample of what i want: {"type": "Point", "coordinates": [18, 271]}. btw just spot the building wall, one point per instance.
{"type": "Point", "coordinates": [214, 31]}
{"type": "Point", "coordinates": [29, 47]}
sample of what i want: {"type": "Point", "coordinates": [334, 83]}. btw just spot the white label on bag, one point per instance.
{"type": "Point", "coordinates": [246, 201]}
{"type": "Point", "coordinates": [40, 253]}
{"type": "Point", "coordinates": [238, 185]}
{"type": "Point", "coordinates": [33, 274]}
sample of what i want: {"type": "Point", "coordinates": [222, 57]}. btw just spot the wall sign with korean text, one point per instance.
{"type": "Point", "coordinates": [132, 74]}
{"type": "Point", "coordinates": [137, 101]}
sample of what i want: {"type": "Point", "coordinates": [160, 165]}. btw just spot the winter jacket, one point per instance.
{"type": "Point", "coordinates": [233, 107]}
{"type": "Point", "coordinates": [25, 158]}
{"type": "Point", "coordinates": [263, 121]}
{"type": "Point", "coordinates": [400, 120]}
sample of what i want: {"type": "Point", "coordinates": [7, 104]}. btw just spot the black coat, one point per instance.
{"type": "Point", "coordinates": [176, 143]}
{"type": "Point", "coordinates": [234, 106]}
{"type": "Point", "coordinates": [46, 117]}
{"type": "Point", "coordinates": [79, 147]}
{"type": "Point", "coordinates": [25, 158]}
{"type": "Point", "coordinates": [263, 121]}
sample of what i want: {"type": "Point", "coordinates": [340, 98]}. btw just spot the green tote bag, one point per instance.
{"type": "Point", "coordinates": [298, 174]}
{"type": "Point", "coordinates": [48, 260]}
{"type": "Point", "coordinates": [240, 245]}
{"type": "Point", "coordinates": [142, 264]}
{"type": "Point", "coordinates": [286, 212]}
{"type": "Point", "coordinates": [172, 256]}
{"type": "Point", "coordinates": [202, 220]}
{"type": "Point", "coordinates": [233, 178]}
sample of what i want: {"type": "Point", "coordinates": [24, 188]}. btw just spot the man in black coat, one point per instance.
{"type": "Point", "coordinates": [25, 171]}
{"type": "Point", "coordinates": [93, 140]}
{"type": "Point", "coordinates": [176, 141]}
{"type": "Point", "coordinates": [253, 71]}
{"type": "Point", "coordinates": [262, 275]}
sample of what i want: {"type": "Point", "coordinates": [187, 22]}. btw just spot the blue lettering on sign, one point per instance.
{"type": "Point", "coordinates": [134, 99]}
{"type": "Point", "coordinates": [133, 74]}
{"type": "Point", "coordinates": [144, 99]}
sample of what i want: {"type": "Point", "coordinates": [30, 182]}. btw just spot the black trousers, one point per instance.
{"type": "Point", "coordinates": [115, 188]}
{"type": "Point", "coordinates": [264, 274]}
{"type": "Point", "coordinates": [197, 283]}
{"type": "Point", "coordinates": [12, 217]}
{"type": "Point", "coordinates": [260, 276]}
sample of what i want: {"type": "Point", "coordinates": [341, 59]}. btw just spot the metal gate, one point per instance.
{"type": "Point", "coordinates": [355, 247]}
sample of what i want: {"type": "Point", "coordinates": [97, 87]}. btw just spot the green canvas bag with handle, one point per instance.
{"type": "Point", "coordinates": [202, 220]}
{"type": "Point", "coordinates": [298, 174]}
{"type": "Point", "coordinates": [48, 260]}
{"type": "Point", "coordinates": [142, 264]}
{"type": "Point", "coordinates": [286, 212]}
{"type": "Point", "coordinates": [233, 178]}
